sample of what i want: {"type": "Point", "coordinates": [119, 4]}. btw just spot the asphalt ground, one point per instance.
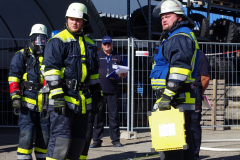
{"type": "Point", "coordinates": [134, 148]}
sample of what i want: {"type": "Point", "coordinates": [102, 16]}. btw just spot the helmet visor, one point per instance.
{"type": "Point", "coordinates": [40, 40]}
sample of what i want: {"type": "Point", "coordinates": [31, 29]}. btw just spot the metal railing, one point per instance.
{"type": "Point", "coordinates": [136, 95]}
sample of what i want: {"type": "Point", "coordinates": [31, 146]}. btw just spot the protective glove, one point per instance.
{"type": "Point", "coordinates": [60, 106]}
{"type": "Point", "coordinates": [164, 103]}
{"type": "Point", "coordinates": [17, 104]}
{"type": "Point", "coordinates": [97, 106]}
{"type": "Point", "coordinates": [97, 98]}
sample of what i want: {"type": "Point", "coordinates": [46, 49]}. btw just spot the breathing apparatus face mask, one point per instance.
{"type": "Point", "coordinates": [40, 43]}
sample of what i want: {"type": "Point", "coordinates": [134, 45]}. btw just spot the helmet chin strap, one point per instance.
{"type": "Point", "coordinates": [175, 23]}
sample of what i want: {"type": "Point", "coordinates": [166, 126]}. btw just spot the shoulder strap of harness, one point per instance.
{"type": "Point", "coordinates": [26, 55]}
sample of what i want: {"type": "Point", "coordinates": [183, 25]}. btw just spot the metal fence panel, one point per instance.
{"type": "Point", "coordinates": [8, 47]}
{"type": "Point", "coordinates": [136, 95]}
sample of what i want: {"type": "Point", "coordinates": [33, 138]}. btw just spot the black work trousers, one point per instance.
{"type": "Point", "coordinates": [111, 101]}
{"type": "Point", "coordinates": [183, 154]}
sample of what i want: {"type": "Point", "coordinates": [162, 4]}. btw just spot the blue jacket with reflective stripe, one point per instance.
{"type": "Point", "coordinates": [32, 73]}
{"type": "Point", "coordinates": [65, 57]}
{"type": "Point", "coordinates": [176, 51]}
{"type": "Point", "coordinates": [179, 51]}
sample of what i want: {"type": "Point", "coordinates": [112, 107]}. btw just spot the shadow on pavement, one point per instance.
{"type": "Point", "coordinates": [8, 149]}
{"type": "Point", "coordinates": [126, 156]}
{"type": "Point", "coordinates": [222, 158]}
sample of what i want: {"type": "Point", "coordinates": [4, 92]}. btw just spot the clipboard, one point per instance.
{"type": "Point", "coordinates": [113, 76]}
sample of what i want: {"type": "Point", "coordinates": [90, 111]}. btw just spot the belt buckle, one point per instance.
{"type": "Point", "coordinates": [31, 86]}
{"type": "Point", "coordinates": [75, 85]}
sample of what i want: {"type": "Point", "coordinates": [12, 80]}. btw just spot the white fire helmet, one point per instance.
{"type": "Point", "coordinates": [38, 29]}
{"type": "Point", "coordinates": [167, 6]}
{"type": "Point", "coordinates": [77, 10]}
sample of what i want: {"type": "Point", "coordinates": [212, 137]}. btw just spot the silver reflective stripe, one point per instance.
{"type": "Point", "coordinates": [89, 106]}
{"type": "Point", "coordinates": [169, 92]}
{"type": "Point", "coordinates": [178, 77]}
{"type": "Point", "coordinates": [51, 101]}
{"type": "Point", "coordinates": [66, 40]}
{"type": "Point", "coordinates": [27, 156]}
{"type": "Point", "coordinates": [40, 155]}
{"type": "Point", "coordinates": [52, 78]}
{"type": "Point", "coordinates": [53, 92]}
{"type": "Point", "coordinates": [29, 105]}
{"type": "Point", "coordinates": [186, 106]}
{"type": "Point", "coordinates": [71, 106]}
{"type": "Point", "coordinates": [94, 81]}
{"type": "Point", "coordinates": [158, 81]}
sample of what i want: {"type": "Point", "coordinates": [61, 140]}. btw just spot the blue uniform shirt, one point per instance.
{"type": "Point", "coordinates": [108, 86]}
{"type": "Point", "coordinates": [203, 68]}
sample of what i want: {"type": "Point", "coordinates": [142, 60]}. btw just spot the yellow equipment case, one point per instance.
{"type": "Point", "coordinates": [167, 130]}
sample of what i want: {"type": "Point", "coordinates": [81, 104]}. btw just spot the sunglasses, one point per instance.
{"type": "Point", "coordinates": [107, 44]}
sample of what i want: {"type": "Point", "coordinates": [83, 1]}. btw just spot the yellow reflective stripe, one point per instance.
{"type": "Point", "coordinates": [64, 36]}
{"type": "Point", "coordinates": [62, 72]}
{"type": "Point", "coordinates": [190, 79]}
{"type": "Point", "coordinates": [52, 72]}
{"type": "Point", "coordinates": [83, 157]}
{"type": "Point", "coordinates": [184, 34]}
{"type": "Point", "coordinates": [158, 81]}
{"type": "Point", "coordinates": [84, 68]}
{"type": "Point", "coordinates": [88, 40]}
{"type": "Point", "coordinates": [16, 96]}
{"type": "Point", "coordinates": [94, 76]}
{"type": "Point", "coordinates": [180, 70]}
{"type": "Point", "coordinates": [89, 101]}
{"type": "Point", "coordinates": [25, 76]}
{"type": "Point", "coordinates": [40, 150]}
{"type": "Point", "coordinates": [41, 79]}
{"type": "Point", "coordinates": [158, 87]}
{"type": "Point", "coordinates": [83, 102]}
{"type": "Point", "coordinates": [84, 72]}
{"type": "Point", "coordinates": [29, 100]}
{"type": "Point", "coordinates": [71, 100]}
{"type": "Point", "coordinates": [39, 101]}
{"type": "Point", "coordinates": [24, 151]}
{"type": "Point", "coordinates": [195, 39]}
{"type": "Point", "coordinates": [195, 52]}
{"type": "Point", "coordinates": [40, 58]}
{"type": "Point", "coordinates": [40, 64]}
{"type": "Point", "coordinates": [22, 51]}
{"type": "Point", "coordinates": [13, 79]}
{"type": "Point", "coordinates": [188, 98]}
{"type": "Point", "coordinates": [55, 92]}
{"type": "Point", "coordinates": [48, 158]}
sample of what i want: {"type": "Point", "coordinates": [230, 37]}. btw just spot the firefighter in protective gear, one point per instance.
{"type": "Point", "coordinates": [71, 71]}
{"type": "Point", "coordinates": [175, 67]}
{"type": "Point", "coordinates": [25, 81]}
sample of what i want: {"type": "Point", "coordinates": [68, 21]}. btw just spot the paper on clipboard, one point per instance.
{"type": "Point", "coordinates": [120, 69]}
{"type": "Point", "coordinates": [206, 103]}
{"type": "Point", "coordinates": [117, 72]}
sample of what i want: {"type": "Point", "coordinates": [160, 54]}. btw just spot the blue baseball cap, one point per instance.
{"type": "Point", "coordinates": [106, 39]}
